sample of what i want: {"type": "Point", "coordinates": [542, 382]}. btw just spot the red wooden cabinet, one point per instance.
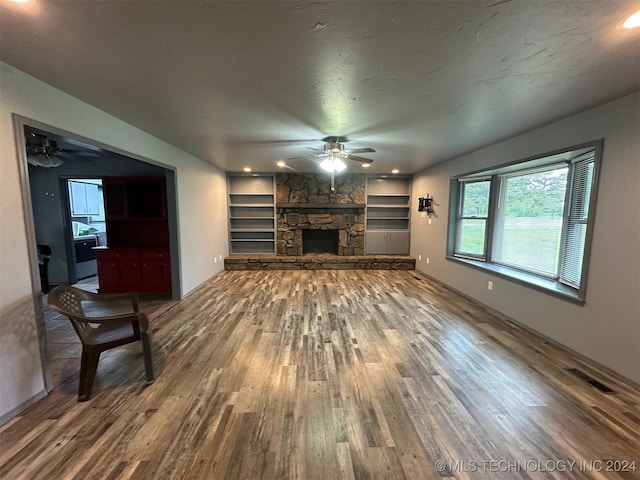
{"type": "Point", "coordinates": [156, 269]}
{"type": "Point", "coordinates": [130, 271]}
{"type": "Point", "coordinates": [108, 270]}
{"type": "Point", "coordinates": [137, 257]}
{"type": "Point", "coordinates": [133, 270]}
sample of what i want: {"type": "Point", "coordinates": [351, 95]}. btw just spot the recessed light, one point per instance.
{"type": "Point", "coordinates": [247, 169]}
{"type": "Point", "coordinates": [19, 1]}
{"type": "Point", "coordinates": [281, 164]}
{"type": "Point", "coordinates": [395, 170]}
{"type": "Point", "coordinates": [366, 165]}
{"type": "Point", "coordinates": [633, 21]}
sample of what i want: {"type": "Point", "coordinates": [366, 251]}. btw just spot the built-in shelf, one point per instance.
{"type": "Point", "coordinates": [251, 213]}
{"type": "Point", "coordinates": [387, 215]}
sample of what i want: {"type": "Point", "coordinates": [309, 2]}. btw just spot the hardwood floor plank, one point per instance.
{"type": "Point", "coordinates": [321, 375]}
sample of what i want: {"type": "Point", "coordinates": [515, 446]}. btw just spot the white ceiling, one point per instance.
{"type": "Point", "coordinates": [248, 83]}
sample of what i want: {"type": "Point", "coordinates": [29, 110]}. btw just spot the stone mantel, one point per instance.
{"type": "Point", "coordinates": [320, 205]}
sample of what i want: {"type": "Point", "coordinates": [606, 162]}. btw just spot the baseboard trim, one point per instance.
{"type": "Point", "coordinates": [202, 285]}
{"type": "Point", "coordinates": [589, 362]}
{"type": "Point", "coordinates": [27, 403]}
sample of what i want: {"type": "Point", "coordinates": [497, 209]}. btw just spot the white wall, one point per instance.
{"type": "Point", "coordinates": [201, 196]}
{"type": "Point", "coordinates": [607, 328]}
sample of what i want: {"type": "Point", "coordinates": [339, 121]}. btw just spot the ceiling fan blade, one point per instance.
{"type": "Point", "coordinates": [321, 153]}
{"type": "Point", "coordinates": [360, 159]}
{"type": "Point", "coordinates": [289, 166]}
{"type": "Point", "coordinates": [71, 145]}
{"type": "Point", "coordinates": [76, 154]}
{"type": "Point", "coordinates": [268, 142]}
{"type": "Point", "coordinates": [362, 150]}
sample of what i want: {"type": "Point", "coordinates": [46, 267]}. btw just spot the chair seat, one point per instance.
{"type": "Point", "coordinates": [99, 308]}
{"type": "Point", "coordinates": [106, 333]}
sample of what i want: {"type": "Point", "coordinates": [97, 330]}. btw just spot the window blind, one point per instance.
{"type": "Point", "coordinates": [573, 244]}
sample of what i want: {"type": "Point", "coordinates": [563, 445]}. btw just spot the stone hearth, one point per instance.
{"type": "Point", "coordinates": [319, 262]}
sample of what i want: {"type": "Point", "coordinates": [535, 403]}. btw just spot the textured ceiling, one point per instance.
{"type": "Point", "coordinates": [249, 83]}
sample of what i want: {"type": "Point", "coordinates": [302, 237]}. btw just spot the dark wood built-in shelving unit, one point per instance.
{"type": "Point", "coordinates": [137, 256]}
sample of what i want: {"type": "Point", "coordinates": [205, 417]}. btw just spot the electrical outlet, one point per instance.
{"type": "Point", "coordinates": [220, 257]}
{"type": "Point", "coordinates": [419, 257]}
{"type": "Point", "coordinates": [215, 259]}
{"type": "Point", "coordinates": [427, 259]}
{"type": "Point", "coordinates": [429, 221]}
{"type": "Point", "coordinates": [490, 285]}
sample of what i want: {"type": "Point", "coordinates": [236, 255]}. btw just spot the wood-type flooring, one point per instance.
{"type": "Point", "coordinates": [331, 375]}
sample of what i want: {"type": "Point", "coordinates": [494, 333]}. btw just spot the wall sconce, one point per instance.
{"type": "Point", "coordinates": [425, 205]}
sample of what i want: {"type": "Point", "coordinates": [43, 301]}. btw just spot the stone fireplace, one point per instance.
{"type": "Point", "coordinates": [306, 202]}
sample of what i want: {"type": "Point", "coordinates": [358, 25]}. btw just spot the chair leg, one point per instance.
{"type": "Point", "coordinates": [148, 356]}
{"type": "Point", "coordinates": [88, 367]}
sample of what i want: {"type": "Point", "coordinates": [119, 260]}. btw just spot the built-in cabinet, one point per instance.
{"type": "Point", "coordinates": [137, 256]}
{"type": "Point", "coordinates": [133, 269]}
{"type": "Point", "coordinates": [85, 198]}
{"type": "Point", "coordinates": [388, 215]}
{"type": "Point", "coordinates": [252, 213]}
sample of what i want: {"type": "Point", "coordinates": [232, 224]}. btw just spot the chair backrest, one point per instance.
{"type": "Point", "coordinates": [67, 300]}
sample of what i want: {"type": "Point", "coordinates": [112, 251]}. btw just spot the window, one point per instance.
{"type": "Point", "coordinates": [473, 212]}
{"type": "Point", "coordinates": [528, 224]}
{"type": "Point", "coordinates": [529, 220]}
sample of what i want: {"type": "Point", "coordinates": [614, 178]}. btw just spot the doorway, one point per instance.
{"type": "Point", "coordinates": [50, 160]}
{"type": "Point", "coordinates": [88, 226]}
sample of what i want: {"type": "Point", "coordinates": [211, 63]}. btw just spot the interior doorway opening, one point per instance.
{"type": "Point", "coordinates": [50, 159]}
{"type": "Point", "coordinates": [88, 227]}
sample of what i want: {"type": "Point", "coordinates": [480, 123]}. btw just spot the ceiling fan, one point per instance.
{"type": "Point", "coordinates": [43, 151]}
{"type": "Point", "coordinates": [335, 152]}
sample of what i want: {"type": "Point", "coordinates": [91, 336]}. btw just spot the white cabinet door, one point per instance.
{"type": "Point", "coordinates": [85, 198]}
{"type": "Point", "coordinates": [78, 198]}
{"type": "Point", "coordinates": [94, 199]}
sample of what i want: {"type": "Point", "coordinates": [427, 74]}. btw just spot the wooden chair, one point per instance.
{"type": "Point", "coordinates": [102, 321]}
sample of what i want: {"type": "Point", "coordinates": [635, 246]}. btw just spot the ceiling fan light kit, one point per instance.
{"type": "Point", "coordinates": [335, 154]}
{"type": "Point", "coordinates": [333, 164]}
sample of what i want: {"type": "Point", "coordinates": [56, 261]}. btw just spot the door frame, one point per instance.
{"type": "Point", "coordinates": [19, 124]}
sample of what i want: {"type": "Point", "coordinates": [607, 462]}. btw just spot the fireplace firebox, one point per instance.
{"type": "Point", "coordinates": [320, 241]}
